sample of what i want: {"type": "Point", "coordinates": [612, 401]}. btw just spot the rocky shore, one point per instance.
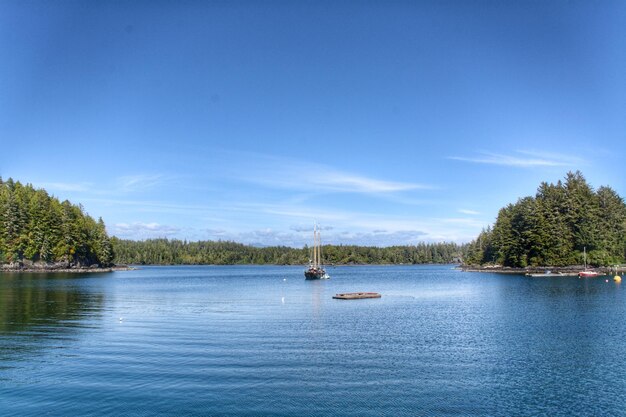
{"type": "Point", "coordinates": [65, 267]}
{"type": "Point", "coordinates": [563, 270]}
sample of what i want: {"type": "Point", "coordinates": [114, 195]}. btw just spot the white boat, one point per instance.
{"type": "Point", "coordinates": [587, 273]}
{"type": "Point", "coordinates": [540, 274]}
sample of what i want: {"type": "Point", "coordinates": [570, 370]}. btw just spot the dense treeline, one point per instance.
{"type": "Point", "coordinates": [37, 227]}
{"type": "Point", "coordinates": [554, 227]}
{"type": "Point", "coordinates": [177, 252]}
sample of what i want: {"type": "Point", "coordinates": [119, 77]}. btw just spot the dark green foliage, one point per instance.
{"type": "Point", "coordinates": [554, 227]}
{"type": "Point", "coordinates": [176, 252]}
{"type": "Point", "coordinates": [36, 227]}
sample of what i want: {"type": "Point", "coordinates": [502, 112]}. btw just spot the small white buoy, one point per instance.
{"type": "Point", "coordinates": [284, 279]}
{"type": "Point", "coordinates": [606, 280]}
{"type": "Point", "coordinates": [121, 318]}
{"type": "Point", "coordinates": [282, 300]}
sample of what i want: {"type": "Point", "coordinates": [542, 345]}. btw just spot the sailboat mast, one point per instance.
{"type": "Point", "coordinates": [317, 249]}
{"type": "Point", "coordinates": [319, 238]}
{"type": "Point", "coordinates": [314, 248]}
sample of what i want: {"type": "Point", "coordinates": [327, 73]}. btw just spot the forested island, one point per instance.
{"type": "Point", "coordinates": [178, 252]}
{"type": "Point", "coordinates": [38, 231]}
{"type": "Point", "coordinates": [555, 228]}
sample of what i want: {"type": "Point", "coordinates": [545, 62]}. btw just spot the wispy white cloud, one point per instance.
{"type": "Point", "coordinates": [368, 220]}
{"type": "Point", "coordinates": [523, 159]}
{"type": "Point", "coordinates": [215, 233]}
{"type": "Point", "coordinates": [140, 182]}
{"type": "Point", "coordinates": [272, 237]}
{"type": "Point", "coordinates": [309, 228]}
{"type": "Point", "coordinates": [348, 226]}
{"type": "Point", "coordinates": [470, 212]}
{"type": "Point", "coordinates": [379, 237]}
{"type": "Point", "coordinates": [343, 182]}
{"type": "Point", "coordinates": [302, 213]}
{"type": "Point", "coordinates": [432, 229]}
{"type": "Point", "coordinates": [288, 173]}
{"type": "Point", "coordinates": [140, 230]}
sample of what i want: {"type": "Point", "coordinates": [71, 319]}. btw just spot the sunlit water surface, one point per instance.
{"type": "Point", "coordinates": [255, 340]}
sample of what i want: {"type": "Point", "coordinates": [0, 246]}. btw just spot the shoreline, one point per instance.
{"type": "Point", "coordinates": [571, 270]}
{"type": "Point", "coordinates": [456, 264]}
{"type": "Point", "coordinates": [75, 270]}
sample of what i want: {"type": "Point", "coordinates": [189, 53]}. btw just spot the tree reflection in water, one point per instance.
{"type": "Point", "coordinates": [36, 309]}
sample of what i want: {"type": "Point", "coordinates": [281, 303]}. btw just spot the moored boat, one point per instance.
{"type": "Point", "coordinates": [315, 273]}
{"type": "Point", "coordinates": [316, 270]}
{"type": "Point", "coordinates": [587, 273]}
{"type": "Point", "coordinates": [539, 274]}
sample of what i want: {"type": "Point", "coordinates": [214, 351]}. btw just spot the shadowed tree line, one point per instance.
{"type": "Point", "coordinates": [178, 252]}
{"type": "Point", "coordinates": [554, 227]}
{"type": "Point", "coordinates": [29, 300]}
{"type": "Point", "coordinates": [37, 227]}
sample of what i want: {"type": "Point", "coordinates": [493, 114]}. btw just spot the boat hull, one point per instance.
{"type": "Point", "coordinates": [314, 274]}
{"type": "Point", "coordinates": [588, 274]}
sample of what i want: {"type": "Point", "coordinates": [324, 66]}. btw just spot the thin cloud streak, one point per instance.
{"type": "Point", "coordinates": [288, 173]}
{"type": "Point", "coordinates": [526, 159]}
{"type": "Point", "coordinates": [470, 212]}
{"type": "Point", "coordinates": [338, 181]}
{"type": "Point", "coordinates": [140, 182]}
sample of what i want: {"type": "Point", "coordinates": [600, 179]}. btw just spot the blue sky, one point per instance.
{"type": "Point", "coordinates": [386, 122]}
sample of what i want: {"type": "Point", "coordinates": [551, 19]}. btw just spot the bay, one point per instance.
{"type": "Point", "coordinates": [260, 340]}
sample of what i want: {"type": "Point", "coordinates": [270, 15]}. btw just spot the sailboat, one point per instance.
{"type": "Point", "coordinates": [586, 273]}
{"type": "Point", "coordinates": [316, 270]}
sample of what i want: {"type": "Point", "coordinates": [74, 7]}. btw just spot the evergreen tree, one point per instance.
{"type": "Point", "coordinates": [554, 227]}
{"type": "Point", "coordinates": [37, 227]}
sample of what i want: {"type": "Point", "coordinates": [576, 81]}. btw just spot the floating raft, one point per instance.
{"type": "Point", "coordinates": [356, 295]}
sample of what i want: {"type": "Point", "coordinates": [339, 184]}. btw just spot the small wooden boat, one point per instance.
{"type": "Point", "coordinates": [356, 295]}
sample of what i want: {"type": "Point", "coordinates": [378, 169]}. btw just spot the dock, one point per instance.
{"type": "Point", "coordinates": [356, 295]}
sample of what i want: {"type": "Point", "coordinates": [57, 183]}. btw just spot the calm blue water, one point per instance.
{"type": "Point", "coordinates": [263, 341]}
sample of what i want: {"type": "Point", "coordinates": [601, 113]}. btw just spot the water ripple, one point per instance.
{"type": "Point", "coordinates": [242, 341]}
